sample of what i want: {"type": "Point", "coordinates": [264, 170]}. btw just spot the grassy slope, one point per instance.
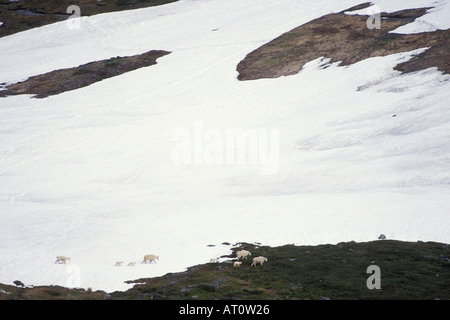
{"type": "Point", "coordinates": [409, 271]}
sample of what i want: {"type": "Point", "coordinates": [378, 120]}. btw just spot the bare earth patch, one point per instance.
{"type": "Point", "coordinates": [62, 80]}
{"type": "Point", "coordinates": [346, 38]}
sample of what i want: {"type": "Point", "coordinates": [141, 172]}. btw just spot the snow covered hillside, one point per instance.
{"type": "Point", "coordinates": [137, 164]}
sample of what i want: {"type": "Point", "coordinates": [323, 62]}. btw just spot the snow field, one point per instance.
{"type": "Point", "coordinates": [89, 173]}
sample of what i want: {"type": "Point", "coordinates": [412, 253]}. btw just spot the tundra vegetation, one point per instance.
{"type": "Point", "coordinates": [345, 38]}
{"type": "Point", "coordinates": [62, 80]}
{"type": "Point", "coordinates": [409, 271]}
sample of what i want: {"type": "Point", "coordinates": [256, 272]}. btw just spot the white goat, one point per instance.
{"type": "Point", "coordinates": [259, 260]}
{"type": "Point", "coordinates": [62, 259]}
{"type": "Point", "coordinates": [119, 263]}
{"type": "Point", "coordinates": [131, 264]}
{"type": "Point", "coordinates": [243, 254]}
{"type": "Point", "coordinates": [237, 264]}
{"type": "Point", "coordinates": [214, 260]}
{"type": "Point", "coordinates": [150, 258]}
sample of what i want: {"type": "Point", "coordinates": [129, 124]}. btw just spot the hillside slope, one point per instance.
{"type": "Point", "coordinates": [345, 38]}
{"type": "Point", "coordinates": [17, 16]}
{"type": "Point", "coordinates": [149, 161]}
{"type": "Point", "coordinates": [408, 271]}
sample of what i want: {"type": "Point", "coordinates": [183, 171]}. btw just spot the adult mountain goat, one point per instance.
{"type": "Point", "coordinates": [149, 258]}
{"type": "Point", "coordinates": [62, 259]}
{"type": "Point", "coordinates": [259, 260]}
{"type": "Point", "coordinates": [243, 254]}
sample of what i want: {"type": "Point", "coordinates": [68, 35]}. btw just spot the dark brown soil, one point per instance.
{"type": "Point", "coordinates": [347, 38]}
{"type": "Point", "coordinates": [62, 80]}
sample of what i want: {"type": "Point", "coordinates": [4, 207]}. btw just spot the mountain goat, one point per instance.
{"type": "Point", "coordinates": [237, 264]}
{"type": "Point", "coordinates": [62, 259]}
{"type": "Point", "coordinates": [259, 260]}
{"type": "Point", "coordinates": [243, 254]}
{"type": "Point", "coordinates": [150, 258]}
